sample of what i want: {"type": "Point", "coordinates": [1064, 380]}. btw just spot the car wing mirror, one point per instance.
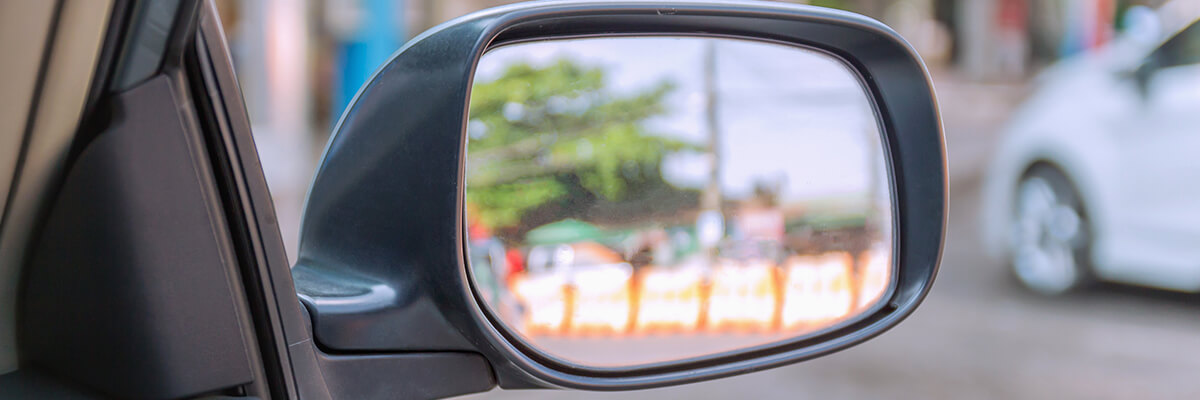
{"type": "Point", "coordinates": [1140, 76]}
{"type": "Point", "coordinates": [624, 195]}
{"type": "Point", "coordinates": [1141, 79]}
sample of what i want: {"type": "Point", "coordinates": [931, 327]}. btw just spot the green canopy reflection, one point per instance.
{"type": "Point", "coordinates": [563, 232]}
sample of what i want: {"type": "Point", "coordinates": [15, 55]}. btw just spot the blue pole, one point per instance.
{"type": "Point", "coordinates": [379, 36]}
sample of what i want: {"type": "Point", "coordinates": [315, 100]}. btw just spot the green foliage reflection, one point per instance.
{"type": "Point", "coordinates": [541, 135]}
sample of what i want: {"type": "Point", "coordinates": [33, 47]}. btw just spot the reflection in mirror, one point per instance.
{"type": "Point", "coordinates": [643, 200]}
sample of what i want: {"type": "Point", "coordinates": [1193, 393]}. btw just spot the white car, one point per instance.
{"type": "Point", "coordinates": [1097, 176]}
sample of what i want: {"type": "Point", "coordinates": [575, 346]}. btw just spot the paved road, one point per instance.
{"type": "Point", "coordinates": [979, 335]}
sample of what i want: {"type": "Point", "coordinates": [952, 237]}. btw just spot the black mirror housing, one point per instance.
{"type": "Point", "coordinates": [382, 266]}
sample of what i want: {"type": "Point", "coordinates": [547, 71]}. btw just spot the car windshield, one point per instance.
{"type": "Point", "coordinates": [1072, 257]}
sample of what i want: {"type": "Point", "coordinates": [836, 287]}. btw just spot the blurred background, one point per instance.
{"type": "Point", "coordinates": [996, 66]}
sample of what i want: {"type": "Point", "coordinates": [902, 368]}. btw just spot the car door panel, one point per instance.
{"type": "Point", "coordinates": [133, 289]}
{"type": "Point", "coordinates": [1158, 218]}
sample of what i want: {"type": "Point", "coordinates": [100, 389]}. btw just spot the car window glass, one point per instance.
{"type": "Point", "coordinates": [1182, 49]}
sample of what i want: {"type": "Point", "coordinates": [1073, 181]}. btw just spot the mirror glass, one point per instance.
{"type": "Point", "coordinates": [640, 200]}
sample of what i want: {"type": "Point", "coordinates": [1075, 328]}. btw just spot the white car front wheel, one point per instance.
{"type": "Point", "coordinates": [1049, 245]}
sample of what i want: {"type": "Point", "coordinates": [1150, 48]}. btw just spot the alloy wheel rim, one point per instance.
{"type": "Point", "coordinates": [1045, 239]}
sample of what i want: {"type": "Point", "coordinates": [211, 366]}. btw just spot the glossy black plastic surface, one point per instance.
{"type": "Point", "coordinates": [382, 258]}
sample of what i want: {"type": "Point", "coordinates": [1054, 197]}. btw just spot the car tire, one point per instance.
{"type": "Point", "coordinates": [1050, 246]}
